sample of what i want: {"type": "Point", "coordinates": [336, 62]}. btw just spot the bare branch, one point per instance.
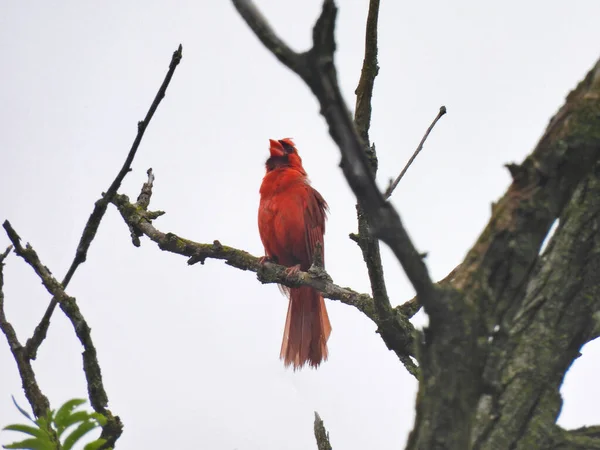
{"type": "Point", "coordinates": [321, 434]}
{"type": "Point", "coordinates": [368, 244]}
{"type": "Point", "coordinates": [267, 272]}
{"type": "Point", "coordinates": [38, 401]}
{"type": "Point", "coordinates": [267, 36]}
{"type": "Point", "coordinates": [91, 227]}
{"type": "Point", "coordinates": [143, 200]}
{"type": "Point", "coordinates": [395, 329]}
{"type": "Point", "coordinates": [364, 90]}
{"type": "Point", "coordinates": [390, 189]}
{"type": "Point", "coordinates": [97, 394]}
{"type": "Point", "coordinates": [4, 255]}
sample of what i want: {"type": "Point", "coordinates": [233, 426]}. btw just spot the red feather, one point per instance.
{"type": "Point", "coordinates": [291, 220]}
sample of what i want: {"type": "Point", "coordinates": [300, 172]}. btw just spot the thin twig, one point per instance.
{"type": "Point", "coordinates": [4, 255]}
{"type": "Point", "coordinates": [368, 244]}
{"type": "Point", "coordinates": [390, 189]}
{"type": "Point", "coordinates": [91, 227]}
{"type": "Point", "coordinates": [143, 200]}
{"type": "Point", "coordinates": [321, 434]}
{"type": "Point", "coordinates": [91, 367]}
{"type": "Point", "coordinates": [364, 90]}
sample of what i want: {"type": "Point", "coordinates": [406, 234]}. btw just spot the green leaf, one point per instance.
{"type": "Point", "coordinates": [65, 411]}
{"type": "Point", "coordinates": [79, 416]}
{"type": "Point", "coordinates": [99, 417]}
{"type": "Point", "coordinates": [43, 423]}
{"type": "Point", "coordinates": [32, 431]}
{"type": "Point", "coordinates": [78, 433]}
{"type": "Point", "coordinates": [21, 410]}
{"type": "Point", "coordinates": [95, 445]}
{"type": "Point", "coordinates": [31, 444]}
{"type": "Point", "coordinates": [50, 416]}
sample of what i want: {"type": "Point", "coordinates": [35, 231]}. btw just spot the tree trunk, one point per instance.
{"type": "Point", "coordinates": [511, 322]}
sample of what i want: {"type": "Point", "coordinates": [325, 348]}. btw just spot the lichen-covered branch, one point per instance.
{"type": "Point", "coordinates": [321, 434]}
{"type": "Point", "coordinates": [140, 220]}
{"type": "Point", "coordinates": [317, 69]}
{"type": "Point", "coordinates": [38, 401]}
{"type": "Point", "coordinates": [585, 438]}
{"type": "Point", "coordinates": [91, 227]}
{"type": "Point", "coordinates": [395, 329]}
{"type": "Point", "coordinates": [98, 398]}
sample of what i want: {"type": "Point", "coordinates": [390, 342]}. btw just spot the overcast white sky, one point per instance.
{"type": "Point", "coordinates": [190, 354]}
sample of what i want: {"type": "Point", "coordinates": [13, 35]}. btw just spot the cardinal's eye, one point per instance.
{"type": "Point", "coordinates": [287, 147]}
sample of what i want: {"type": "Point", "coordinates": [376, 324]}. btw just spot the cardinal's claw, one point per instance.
{"type": "Point", "coordinates": [292, 270]}
{"type": "Point", "coordinates": [264, 259]}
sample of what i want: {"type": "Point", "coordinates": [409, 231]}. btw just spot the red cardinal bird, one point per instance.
{"type": "Point", "coordinates": [291, 220]}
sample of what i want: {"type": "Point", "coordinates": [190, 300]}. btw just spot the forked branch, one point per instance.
{"type": "Point", "coordinates": [38, 401]}
{"type": "Point", "coordinates": [98, 398]}
{"type": "Point", "coordinates": [91, 227]}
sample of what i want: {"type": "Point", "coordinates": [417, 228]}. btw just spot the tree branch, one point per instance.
{"type": "Point", "coordinates": [98, 398]}
{"type": "Point", "coordinates": [38, 401]}
{"type": "Point", "coordinates": [362, 120]}
{"type": "Point", "coordinates": [321, 434]}
{"type": "Point", "coordinates": [368, 244]}
{"type": "Point", "coordinates": [394, 184]}
{"type": "Point", "coordinates": [317, 69]}
{"type": "Point", "coordinates": [395, 330]}
{"type": "Point", "coordinates": [585, 438]}
{"type": "Point", "coordinates": [364, 90]}
{"type": "Point", "coordinates": [267, 272]}
{"type": "Point", "coordinates": [91, 227]}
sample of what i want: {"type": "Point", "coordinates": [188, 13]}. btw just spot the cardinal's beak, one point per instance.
{"type": "Point", "coordinates": [276, 148]}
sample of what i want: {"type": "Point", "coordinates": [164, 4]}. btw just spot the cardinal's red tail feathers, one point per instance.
{"type": "Point", "coordinates": [307, 329]}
